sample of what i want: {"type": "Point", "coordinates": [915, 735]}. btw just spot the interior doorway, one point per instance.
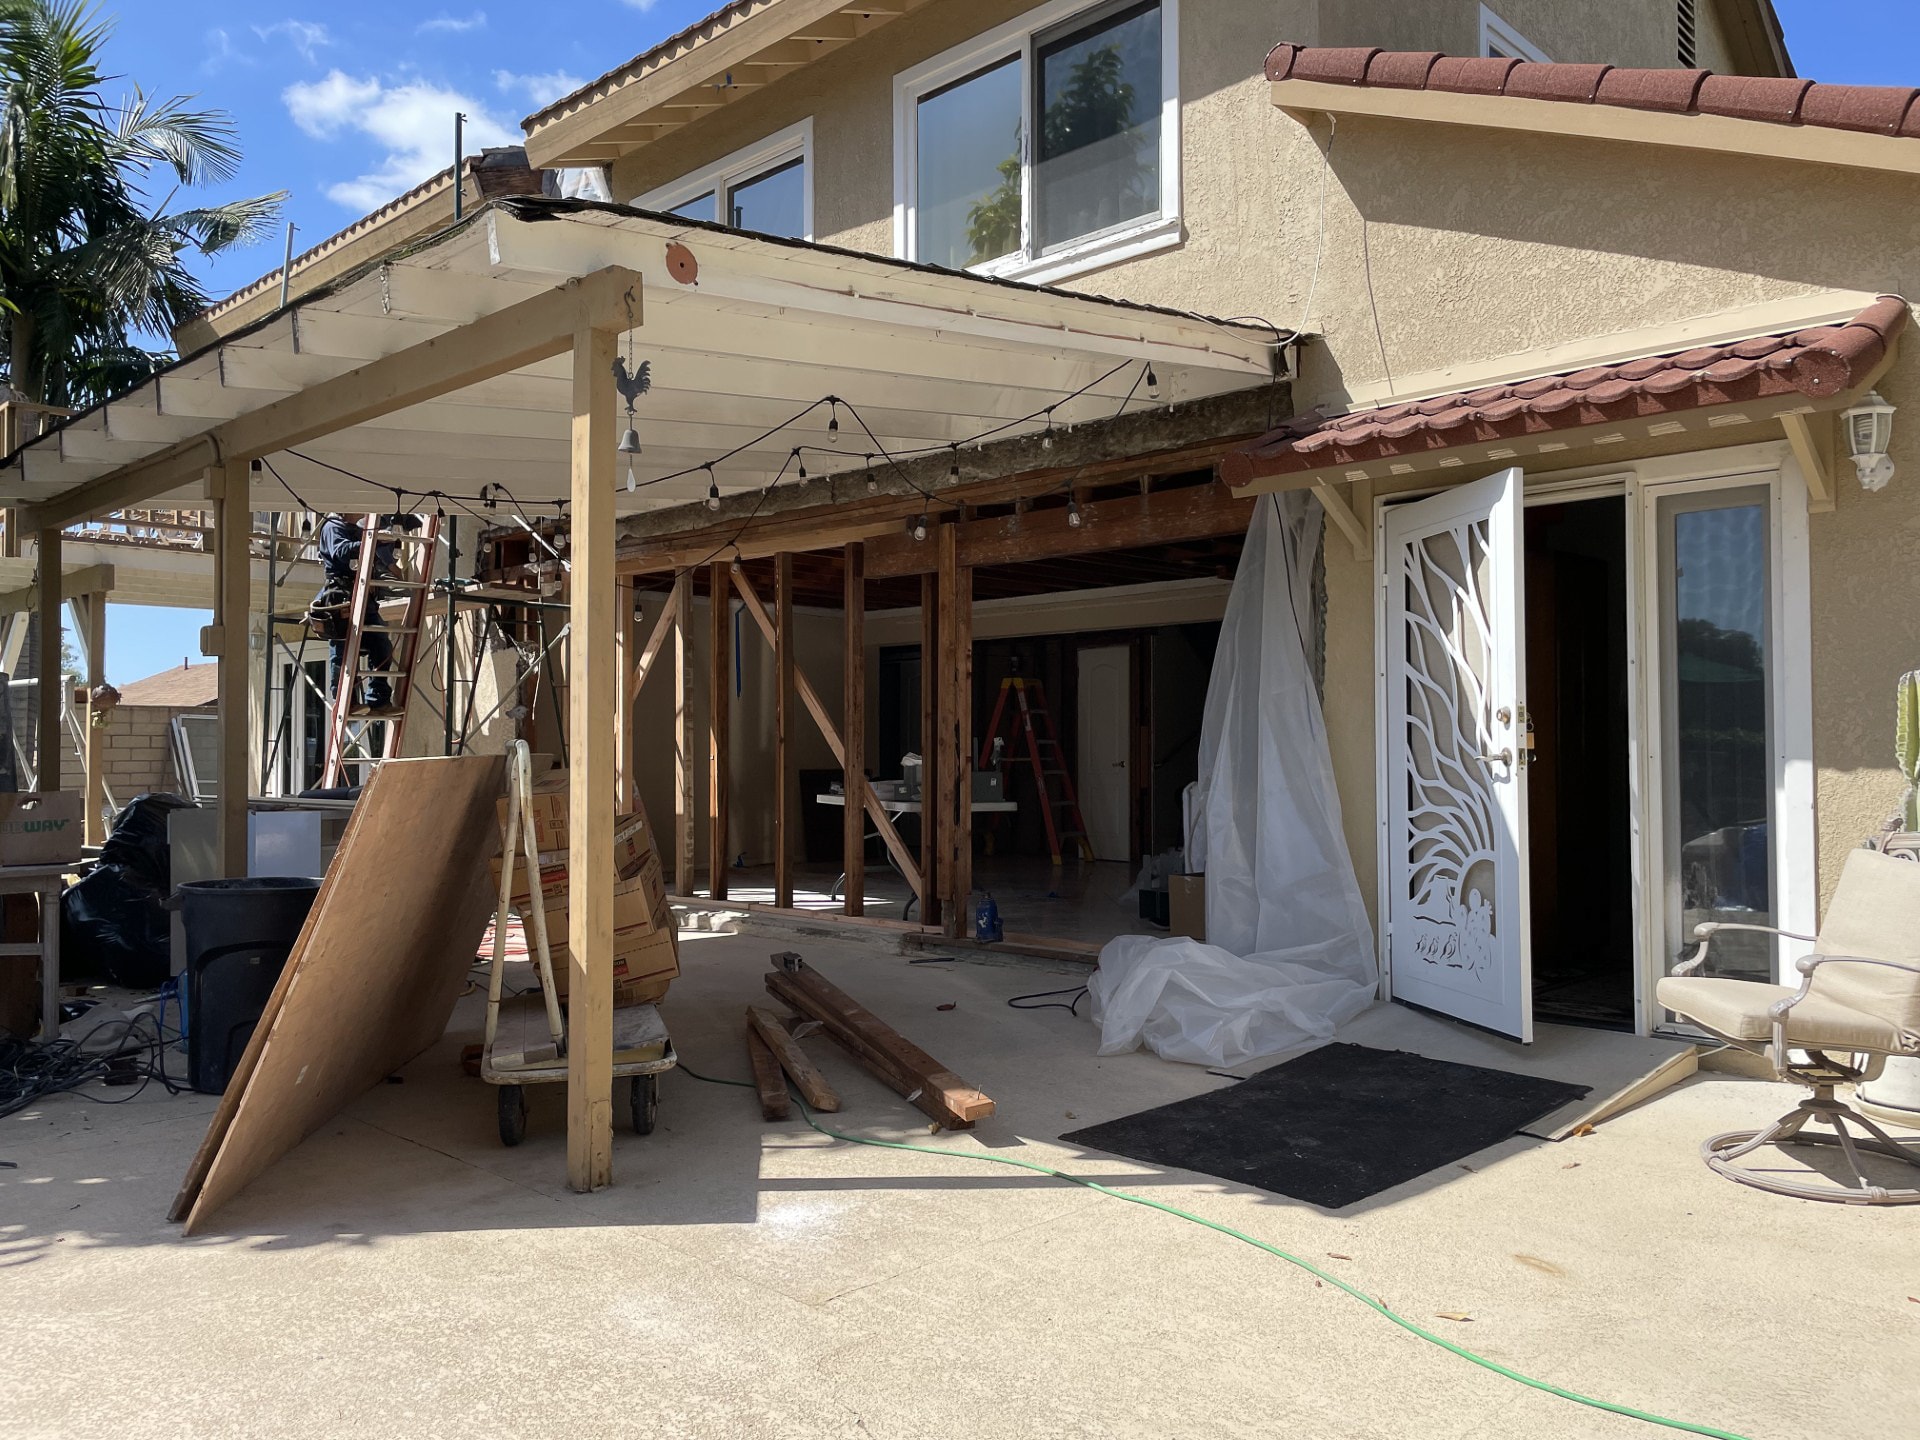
{"type": "Point", "coordinates": [1579, 794]}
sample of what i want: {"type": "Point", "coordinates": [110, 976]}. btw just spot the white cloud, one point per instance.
{"type": "Point", "coordinates": [540, 89]}
{"type": "Point", "coordinates": [411, 122]}
{"type": "Point", "coordinates": [445, 24]}
{"type": "Point", "coordinates": [221, 52]}
{"type": "Point", "coordinates": [642, 5]}
{"type": "Point", "coordinates": [306, 36]}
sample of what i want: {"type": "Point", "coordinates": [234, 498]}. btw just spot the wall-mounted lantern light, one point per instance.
{"type": "Point", "coordinates": [1869, 437]}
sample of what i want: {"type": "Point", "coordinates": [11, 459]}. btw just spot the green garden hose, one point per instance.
{"type": "Point", "coordinates": [1687, 1426]}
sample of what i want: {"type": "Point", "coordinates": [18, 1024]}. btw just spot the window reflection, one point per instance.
{"type": "Point", "coordinates": [773, 202]}
{"type": "Point", "coordinates": [967, 143]}
{"type": "Point", "coordinates": [1098, 135]}
{"type": "Point", "coordinates": [698, 208]}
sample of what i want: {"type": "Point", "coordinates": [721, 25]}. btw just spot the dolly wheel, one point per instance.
{"type": "Point", "coordinates": [645, 1098]}
{"type": "Point", "coordinates": [513, 1114]}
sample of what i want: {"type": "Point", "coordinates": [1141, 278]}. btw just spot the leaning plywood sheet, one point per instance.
{"type": "Point", "coordinates": [374, 976]}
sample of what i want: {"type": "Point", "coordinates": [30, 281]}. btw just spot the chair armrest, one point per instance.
{"type": "Point", "coordinates": [1707, 929]}
{"type": "Point", "coordinates": [1807, 964]}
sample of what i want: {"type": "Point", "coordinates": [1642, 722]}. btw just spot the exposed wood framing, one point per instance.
{"type": "Point", "coordinates": [830, 732]}
{"type": "Point", "coordinates": [1811, 438]}
{"type": "Point", "coordinates": [663, 625]}
{"type": "Point", "coordinates": [786, 801]}
{"type": "Point", "coordinates": [591, 696]}
{"type": "Point", "coordinates": [956, 729]}
{"type": "Point", "coordinates": [683, 681]}
{"type": "Point", "coordinates": [854, 728]}
{"type": "Point", "coordinates": [626, 637]}
{"type": "Point", "coordinates": [92, 614]}
{"type": "Point", "coordinates": [719, 723]}
{"type": "Point", "coordinates": [1343, 518]}
{"type": "Point", "coordinates": [74, 584]}
{"type": "Point", "coordinates": [51, 733]}
{"type": "Point", "coordinates": [233, 594]}
{"type": "Point", "coordinates": [930, 808]}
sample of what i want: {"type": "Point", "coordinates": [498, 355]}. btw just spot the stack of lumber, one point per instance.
{"type": "Point", "coordinates": [873, 1044]}
{"type": "Point", "coordinates": [646, 956]}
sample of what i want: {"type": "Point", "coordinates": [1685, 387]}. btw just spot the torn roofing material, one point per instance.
{"type": "Point", "coordinates": [1822, 362]}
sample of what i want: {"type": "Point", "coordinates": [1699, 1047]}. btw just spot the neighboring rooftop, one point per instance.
{"type": "Point", "coordinates": [183, 686]}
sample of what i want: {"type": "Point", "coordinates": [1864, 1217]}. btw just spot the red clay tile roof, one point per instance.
{"type": "Point", "coordinates": [1873, 109]}
{"type": "Point", "coordinates": [1821, 362]}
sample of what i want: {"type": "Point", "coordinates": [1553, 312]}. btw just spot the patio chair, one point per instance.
{"type": "Point", "coordinates": [1858, 1003]}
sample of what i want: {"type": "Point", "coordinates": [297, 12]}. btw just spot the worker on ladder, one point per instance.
{"type": "Point", "coordinates": [340, 543]}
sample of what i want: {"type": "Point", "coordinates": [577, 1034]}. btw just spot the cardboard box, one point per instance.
{"type": "Point", "coordinates": [1187, 906]}
{"type": "Point", "coordinates": [547, 810]}
{"type": "Point", "coordinates": [634, 857]}
{"type": "Point", "coordinates": [41, 827]}
{"type": "Point", "coordinates": [645, 948]}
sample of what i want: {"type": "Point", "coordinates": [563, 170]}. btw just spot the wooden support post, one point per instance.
{"type": "Point", "coordinates": [930, 807]}
{"type": "Point", "coordinates": [663, 626]}
{"type": "Point", "coordinates": [956, 728]}
{"type": "Point", "coordinates": [785, 803]}
{"type": "Point", "coordinates": [682, 602]}
{"type": "Point", "coordinates": [626, 636]}
{"type": "Point", "coordinates": [52, 734]}
{"type": "Point", "coordinates": [591, 691]}
{"type": "Point", "coordinates": [93, 621]}
{"type": "Point", "coordinates": [233, 595]}
{"type": "Point", "coordinates": [719, 720]}
{"type": "Point", "coordinates": [853, 726]}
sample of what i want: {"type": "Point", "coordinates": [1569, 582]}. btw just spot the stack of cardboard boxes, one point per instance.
{"type": "Point", "coordinates": [645, 955]}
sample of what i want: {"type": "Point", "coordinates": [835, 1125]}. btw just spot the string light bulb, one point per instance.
{"type": "Point", "coordinates": [1153, 383]}
{"type": "Point", "coordinates": [873, 485]}
{"type": "Point", "coordinates": [833, 421]}
{"type": "Point", "coordinates": [953, 466]}
{"type": "Point", "coordinates": [713, 489]}
{"type": "Point", "coordinates": [803, 461]}
{"type": "Point", "coordinates": [1046, 436]}
{"type": "Point", "coordinates": [917, 527]}
{"type": "Point", "coordinates": [1073, 512]}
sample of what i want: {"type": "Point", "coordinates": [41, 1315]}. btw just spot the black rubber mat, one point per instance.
{"type": "Point", "coordinates": [1336, 1125]}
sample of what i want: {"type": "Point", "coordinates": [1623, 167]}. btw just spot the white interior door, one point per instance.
{"type": "Point", "coordinates": [1105, 769]}
{"type": "Point", "coordinates": [1455, 756]}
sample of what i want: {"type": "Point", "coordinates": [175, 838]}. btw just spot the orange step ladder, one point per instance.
{"type": "Point", "coordinates": [352, 742]}
{"type": "Point", "coordinates": [1033, 724]}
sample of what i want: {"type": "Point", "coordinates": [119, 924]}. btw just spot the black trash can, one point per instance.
{"type": "Point", "coordinates": [239, 934]}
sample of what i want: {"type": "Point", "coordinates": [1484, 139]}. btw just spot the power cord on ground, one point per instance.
{"type": "Point", "coordinates": [31, 1070]}
{"type": "Point", "coordinates": [1612, 1407]}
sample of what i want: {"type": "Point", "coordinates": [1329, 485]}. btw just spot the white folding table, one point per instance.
{"type": "Point", "coordinates": [895, 808]}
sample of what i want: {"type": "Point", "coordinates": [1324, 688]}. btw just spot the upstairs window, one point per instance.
{"type": "Point", "coordinates": [1043, 148]}
{"type": "Point", "coordinates": [766, 188]}
{"type": "Point", "coordinates": [1498, 38]}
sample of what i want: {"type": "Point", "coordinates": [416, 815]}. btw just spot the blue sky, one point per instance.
{"type": "Point", "coordinates": [346, 104]}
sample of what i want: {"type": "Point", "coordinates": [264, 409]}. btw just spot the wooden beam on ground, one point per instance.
{"type": "Point", "coordinates": [233, 596]}
{"type": "Point", "coordinates": [930, 908]}
{"type": "Point", "coordinates": [786, 802]}
{"type": "Point", "coordinates": [682, 607]}
{"type": "Point", "coordinates": [88, 580]}
{"type": "Point", "coordinates": [853, 833]}
{"type": "Point", "coordinates": [591, 691]}
{"type": "Point", "coordinates": [626, 639]}
{"type": "Point", "coordinates": [813, 1085]}
{"type": "Point", "coordinates": [830, 732]}
{"type": "Point", "coordinates": [1159, 517]}
{"type": "Point", "coordinates": [1815, 459]}
{"type": "Point", "coordinates": [523, 334]}
{"type": "Point", "coordinates": [767, 1079]}
{"type": "Point", "coordinates": [52, 734]}
{"type": "Point", "coordinates": [956, 729]}
{"type": "Point", "coordinates": [663, 625]}
{"type": "Point", "coordinates": [1344, 520]}
{"type": "Point", "coordinates": [719, 722]}
{"type": "Point", "coordinates": [93, 621]}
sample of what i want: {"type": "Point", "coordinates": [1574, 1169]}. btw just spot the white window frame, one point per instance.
{"type": "Point", "coordinates": [1160, 231]}
{"type": "Point", "coordinates": [1498, 38]}
{"type": "Point", "coordinates": [793, 143]}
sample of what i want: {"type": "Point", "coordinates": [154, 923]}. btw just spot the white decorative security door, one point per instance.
{"type": "Point", "coordinates": [1456, 756]}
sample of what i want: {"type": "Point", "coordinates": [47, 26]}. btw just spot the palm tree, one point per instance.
{"type": "Point", "coordinates": [89, 261]}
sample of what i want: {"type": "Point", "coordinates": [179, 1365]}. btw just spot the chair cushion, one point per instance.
{"type": "Point", "coordinates": [1737, 1009]}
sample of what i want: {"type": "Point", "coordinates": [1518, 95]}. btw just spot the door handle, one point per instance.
{"type": "Point", "coordinates": [1505, 757]}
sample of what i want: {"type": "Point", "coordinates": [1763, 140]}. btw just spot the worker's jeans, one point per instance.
{"type": "Point", "coordinates": [376, 653]}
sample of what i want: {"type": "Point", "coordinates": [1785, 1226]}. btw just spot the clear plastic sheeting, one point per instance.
{"type": "Point", "coordinates": [1290, 954]}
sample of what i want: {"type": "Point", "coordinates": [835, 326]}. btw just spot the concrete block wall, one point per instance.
{"type": "Point", "coordinates": [140, 750]}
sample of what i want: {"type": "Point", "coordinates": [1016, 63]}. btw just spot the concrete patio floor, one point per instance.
{"type": "Point", "coordinates": [402, 1274]}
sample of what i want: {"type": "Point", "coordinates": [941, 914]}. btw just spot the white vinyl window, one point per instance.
{"type": "Point", "coordinates": [1498, 38]}
{"type": "Point", "coordinates": [1046, 147]}
{"type": "Point", "coordinates": [766, 188]}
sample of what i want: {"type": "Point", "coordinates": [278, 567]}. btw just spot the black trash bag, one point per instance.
{"type": "Point", "coordinates": [113, 926]}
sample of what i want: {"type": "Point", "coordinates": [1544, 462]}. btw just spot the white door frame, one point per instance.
{"type": "Point", "coordinates": [1796, 892]}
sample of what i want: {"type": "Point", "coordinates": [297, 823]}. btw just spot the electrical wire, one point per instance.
{"type": "Point", "coordinates": [1079, 993]}
{"type": "Point", "coordinates": [31, 1070]}
{"type": "Point", "coordinates": [1372, 1302]}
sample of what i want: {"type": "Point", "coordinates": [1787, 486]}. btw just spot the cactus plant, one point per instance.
{"type": "Point", "coordinates": [1906, 745]}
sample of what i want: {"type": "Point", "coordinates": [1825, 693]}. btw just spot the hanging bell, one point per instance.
{"type": "Point", "coordinates": [630, 441]}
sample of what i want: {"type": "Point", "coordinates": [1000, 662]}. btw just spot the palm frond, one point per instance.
{"type": "Point", "coordinates": [197, 145]}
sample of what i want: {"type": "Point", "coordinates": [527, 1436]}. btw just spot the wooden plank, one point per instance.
{"type": "Point", "coordinates": [87, 580]}
{"type": "Point", "coordinates": [662, 627]}
{"type": "Point", "coordinates": [592, 697]}
{"type": "Point", "coordinates": [874, 1061]}
{"type": "Point", "coordinates": [719, 722]}
{"type": "Point", "coordinates": [1684, 1061]}
{"type": "Point", "coordinates": [373, 977]}
{"type": "Point", "coordinates": [233, 593]}
{"type": "Point", "coordinates": [52, 735]}
{"type": "Point", "coordinates": [958, 1096]}
{"type": "Point", "coordinates": [816, 707]}
{"type": "Point", "coordinates": [1344, 520]}
{"type": "Point", "coordinates": [94, 621]}
{"type": "Point", "coordinates": [956, 729]}
{"type": "Point", "coordinates": [853, 832]}
{"type": "Point", "coordinates": [786, 799]}
{"type": "Point", "coordinates": [626, 639]}
{"type": "Point", "coordinates": [1812, 457]}
{"type": "Point", "coordinates": [813, 1085]}
{"type": "Point", "coordinates": [774, 1101]}
{"type": "Point", "coordinates": [930, 908]}
{"type": "Point", "coordinates": [682, 606]}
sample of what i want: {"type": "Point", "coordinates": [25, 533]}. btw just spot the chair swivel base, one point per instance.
{"type": "Point", "coordinates": [1722, 1151]}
